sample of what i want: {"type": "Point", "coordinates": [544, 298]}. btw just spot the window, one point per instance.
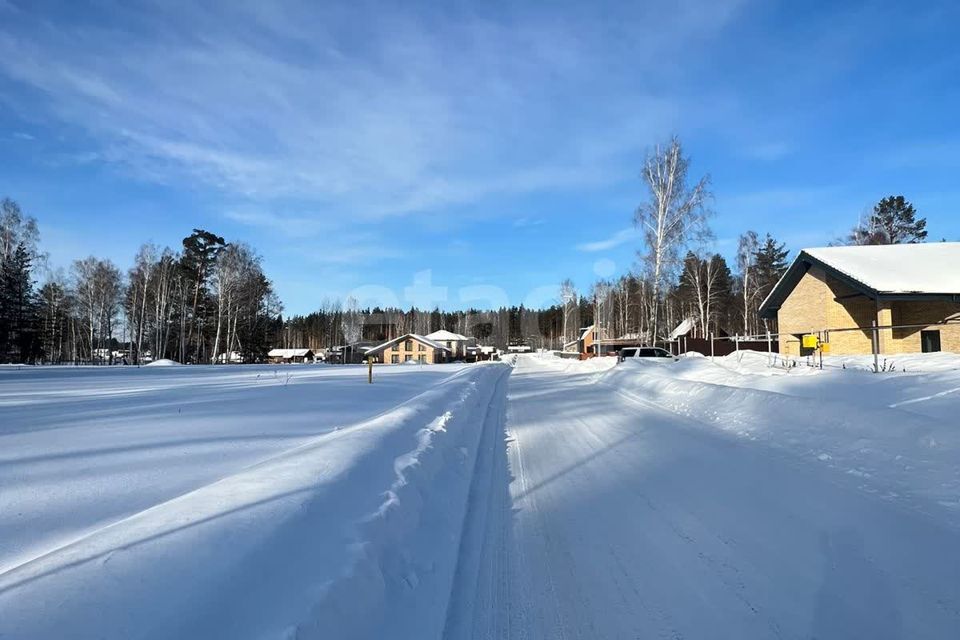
{"type": "Point", "coordinates": [421, 347]}
{"type": "Point", "coordinates": [395, 359]}
{"type": "Point", "coordinates": [409, 345]}
{"type": "Point", "coordinates": [929, 341]}
{"type": "Point", "coordinates": [408, 358]}
{"type": "Point", "coordinates": [422, 358]}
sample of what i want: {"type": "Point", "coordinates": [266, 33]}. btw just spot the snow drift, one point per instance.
{"type": "Point", "coordinates": [837, 418]}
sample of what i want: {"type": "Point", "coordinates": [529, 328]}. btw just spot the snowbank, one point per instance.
{"type": "Point", "coordinates": [889, 451]}
{"type": "Point", "coordinates": [163, 362]}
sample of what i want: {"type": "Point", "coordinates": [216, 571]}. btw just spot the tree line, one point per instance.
{"type": "Point", "coordinates": [207, 298]}
{"type": "Point", "coordinates": [211, 297]}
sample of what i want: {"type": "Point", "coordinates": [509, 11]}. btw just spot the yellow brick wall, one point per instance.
{"type": "Point", "coordinates": [820, 302]}
{"type": "Point", "coordinates": [418, 349]}
{"type": "Point", "coordinates": [907, 340]}
{"type": "Point", "coordinates": [812, 307]}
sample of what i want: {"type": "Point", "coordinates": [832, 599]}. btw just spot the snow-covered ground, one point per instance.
{"type": "Point", "coordinates": [542, 498]}
{"type": "Point", "coordinates": [240, 502]}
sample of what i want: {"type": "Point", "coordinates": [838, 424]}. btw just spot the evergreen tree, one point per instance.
{"type": "Point", "coordinates": [770, 265]}
{"type": "Point", "coordinates": [18, 309]}
{"type": "Point", "coordinates": [893, 221]}
{"type": "Point", "coordinates": [724, 314]}
{"type": "Point", "coordinates": [200, 251]}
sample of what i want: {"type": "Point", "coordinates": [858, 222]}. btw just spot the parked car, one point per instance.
{"type": "Point", "coordinates": [645, 352]}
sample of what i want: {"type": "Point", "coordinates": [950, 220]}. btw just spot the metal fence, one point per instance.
{"type": "Point", "coordinates": [769, 342]}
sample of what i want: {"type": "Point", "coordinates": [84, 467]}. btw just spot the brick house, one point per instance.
{"type": "Point", "coordinates": [911, 291]}
{"type": "Point", "coordinates": [410, 348]}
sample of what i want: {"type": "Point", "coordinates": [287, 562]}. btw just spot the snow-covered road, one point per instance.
{"type": "Point", "coordinates": [609, 517]}
{"type": "Point", "coordinates": [551, 499]}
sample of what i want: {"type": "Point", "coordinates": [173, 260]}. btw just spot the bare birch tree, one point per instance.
{"type": "Point", "coordinates": [352, 321]}
{"type": "Point", "coordinates": [568, 297]}
{"type": "Point", "coordinates": [673, 213]}
{"type": "Point", "coordinates": [746, 264]}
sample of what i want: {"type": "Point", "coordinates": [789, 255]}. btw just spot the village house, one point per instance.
{"type": "Point", "coordinates": [289, 356]}
{"type": "Point", "coordinates": [410, 348]}
{"type": "Point", "coordinates": [910, 291]}
{"type": "Point", "coordinates": [353, 353]}
{"type": "Point", "coordinates": [230, 357]}
{"type": "Point", "coordinates": [587, 343]}
{"type": "Point", "coordinates": [481, 353]}
{"type": "Point", "coordinates": [455, 342]}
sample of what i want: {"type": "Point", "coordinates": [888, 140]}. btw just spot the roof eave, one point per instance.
{"type": "Point", "coordinates": [800, 265]}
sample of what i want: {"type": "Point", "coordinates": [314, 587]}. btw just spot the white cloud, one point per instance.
{"type": "Point", "coordinates": [620, 237]}
{"type": "Point", "coordinates": [376, 112]}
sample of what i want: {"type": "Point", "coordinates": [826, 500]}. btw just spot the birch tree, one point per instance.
{"type": "Point", "coordinates": [568, 296]}
{"type": "Point", "coordinates": [674, 212]}
{"type": "Point", "coordinates": [352, 321]}
{"type": "Point", "coordinates": [746, 264]}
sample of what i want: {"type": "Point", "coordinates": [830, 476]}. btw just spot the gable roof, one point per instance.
{"type": "Point", "coordinates": [682, 329]}
{"type": "Point", "coordinates": [443, 334]}
{"type": "Point", "coordinates": [408, 336]}
{"type": "Point", "coordinates": [893, 271]}
{"type": "Point", "coordinates": [289, 353]}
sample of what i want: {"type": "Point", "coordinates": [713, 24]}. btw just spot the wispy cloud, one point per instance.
{"type": "Point", "coordinates": [22, 135]}
{"type": "Point", "coordinates": [377, 112]}
{"type": "Point", "coordinates": [620, 237]}
{"type": "Point", "coordinates": [525, 221]}
{"type": "Point", "coordinates": [284, 225]}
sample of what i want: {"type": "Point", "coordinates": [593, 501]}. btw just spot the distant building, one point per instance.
{"type": "Point", "coordinates": [455, 342]}
{"type": "Point", "coordinates": [233, 357]}
{"type": "Point", "coordinates": [586, 344]}
{"type": "Point", "coordinates": [583, 343]}
{"type": "Point", "coordinates": [410, 348]}
{"type": "Point", "coordinates": [911, 292]}
{"type": "Point", "coordinates": [289, 356]}
{"type": "Point", "coordinates": [354, 353]}
{"type": "Point", "coordinates": [687, 338]}
{"type": "Point", "coordinates": [479, 353]}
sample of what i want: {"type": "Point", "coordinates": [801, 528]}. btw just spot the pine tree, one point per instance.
{"type": "Point", "coordinates": [18, 327]}
{"type": "Point", "coordinates": [893, 221]}
{"type": "Point", "coordinates": [770, 265]}
{"type": "Point", "coordinates": [725, 300]}
{"type": "Point", "coordinates": [200, 251]}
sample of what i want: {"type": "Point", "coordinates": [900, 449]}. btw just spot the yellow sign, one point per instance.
{"type": "Point", "coordinates": [810, 341]}
{"type": "Point", "coordinates": [824, 347]}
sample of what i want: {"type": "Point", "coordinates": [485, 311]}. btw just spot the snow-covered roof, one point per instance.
{"type": "Point", "coordinates": [898, 268]}
{"type": "Point", "coordinates": [682, 329]}
{"type": "Point", "coordinates": [443, 335]}
{"type": "Point", "coordinates": [585, 332]}
{"type": "Point", "coordinates": [890, 270]}
{"type": "Point", "coordinates": [288, 353]}
{"type": "Point", "coordinates": [409, 336]}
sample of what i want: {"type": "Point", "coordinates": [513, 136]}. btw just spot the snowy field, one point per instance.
{"type": "Point", "coordinates": [542, 498]}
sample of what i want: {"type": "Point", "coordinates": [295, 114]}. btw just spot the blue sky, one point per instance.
{"type": "Point", "coordinates": [461, 153]}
